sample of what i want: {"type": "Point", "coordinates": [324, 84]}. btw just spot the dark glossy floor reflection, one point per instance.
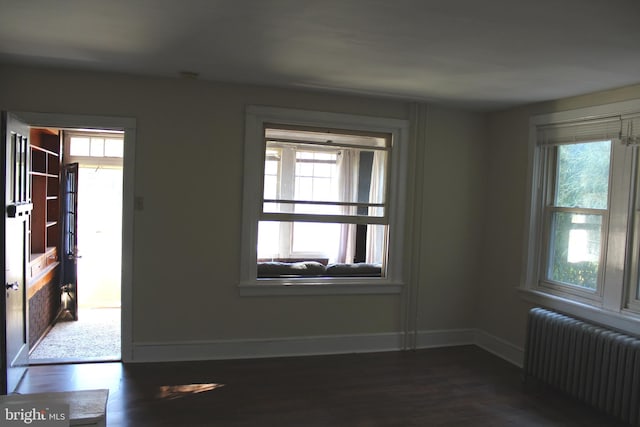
{"type": "Point", "coordinates": [461, 386]}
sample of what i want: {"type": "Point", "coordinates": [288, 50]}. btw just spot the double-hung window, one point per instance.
{"type": "Point", "coordinates": [583, 238]}
{"type": "Point", "coordinates": [322, 202]}
{"type": "Point", "coordinates": [324, 196]}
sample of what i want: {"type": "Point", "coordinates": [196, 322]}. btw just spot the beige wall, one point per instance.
{"type": "Point", "coordinates": [189, 147]}
{"type": "Point", "coordinates": [502, 312]}
{"type": "Point", "coordinates": [452, 219]}
{"type": "Point", "coordinates": [189, 170]}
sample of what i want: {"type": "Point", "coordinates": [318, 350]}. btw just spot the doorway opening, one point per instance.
{"type": "Point", "coordinates": [87, 327]}
{"type": "Point", "coordinates": [36, 257]}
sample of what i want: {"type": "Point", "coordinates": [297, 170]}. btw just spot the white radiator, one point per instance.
{"type": "Point", "coordinates": [593, 364]}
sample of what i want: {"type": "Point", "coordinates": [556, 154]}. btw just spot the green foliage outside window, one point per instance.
{"type": "Point", "coordinates": [583, 175]}
{"type": "Point", "coordinates": [583, 273]}
{"type": "Point", "coordinates": [582, 182]}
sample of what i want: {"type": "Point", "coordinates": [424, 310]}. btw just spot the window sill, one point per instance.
{"type": "Point", "coordinates": [278, 287]}
{"type": "Point", "coordinates": [623, 321]}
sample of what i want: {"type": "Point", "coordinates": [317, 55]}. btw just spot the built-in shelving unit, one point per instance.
{"type": "Point", "coordinates": [45, 189]}
{"type": "Point", "coordinates": [43, 271]}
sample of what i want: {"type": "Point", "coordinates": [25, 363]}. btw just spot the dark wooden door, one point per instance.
{"type": "Point", "coordinates": [70, 239]}
{"type": "Point", "coordinates": [15, 164]}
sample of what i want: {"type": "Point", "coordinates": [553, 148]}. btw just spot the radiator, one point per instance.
{"type": "Point", "coordinates": [593, 364]}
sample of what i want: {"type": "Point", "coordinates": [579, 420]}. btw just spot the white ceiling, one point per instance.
{"type": "Point", "coordinates": [476, 54]}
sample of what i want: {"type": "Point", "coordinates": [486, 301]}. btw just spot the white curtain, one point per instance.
{"type": "Point", "coordinates": [376, 234]}
{"type": "Point", "coordinates": [347, 192]}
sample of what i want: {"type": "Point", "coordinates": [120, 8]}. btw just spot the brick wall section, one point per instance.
{"type": "Point", "coordinates": [43, 308]}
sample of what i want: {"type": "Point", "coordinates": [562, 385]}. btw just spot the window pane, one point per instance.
{"type": "Point", "coordinates": [97, 147]}
{"type": "Point", "coordinates": [372, 176]}
{"type": "Point", "coordinates": [271, 174]}
{"type": "Point", "coordinates": [78, 146]}
{"type": "Point", "coordinates": [330, 242]}
{"type": "Point", "coordinates": [583, 175]}
{"type": "Point", "coordinates": [324, 170]}
{"type": "Point", "coordinates": [270, 187]}
{"type": "Point", "coordinates": [575, 249]}
{"type": "Point", "coordinates": [321, 209]}
{"type": "Point", "coordinates": [114, 147]}
{"type": "Point", "coordinates": [299, 240]}
{"type": "Point", "coordinates": [304, 169]}
{"type": "Point", "coordinates": [317, 209]}
{"type": "Point", "coordinates": [344, 175]}
{"type": "Point", "coordinates": [268, 239]}
{"type": "Point", "coordinates": [316, 238]}
{"type": "Point", "coordinates": [323, 189]}
{"type": "Point", "coordinates": [271, 167]}
{"type": "Point", "coordinates": [316, 176]}
{"type": "Point", "coordinates": [304, 188]}
{"type": "Point", "coordinates": [376, 243]}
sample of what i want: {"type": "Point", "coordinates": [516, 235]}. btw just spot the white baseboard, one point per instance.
{"type": "Point", "coordinates": [445, 338]}
{"type": "Point", "coordinates": [260, 348]}
{"type": "Point", "coordinates": [319, 345]}
{"type": "Point", "coordinates": [500, 347]}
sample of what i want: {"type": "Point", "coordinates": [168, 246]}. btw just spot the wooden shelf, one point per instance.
{"type": "Point", "coordinates": [44, 150]}
{"type": "Point", "coordinates": [45, 187]}
{"type": "Point", "coordinates": [47, 175]}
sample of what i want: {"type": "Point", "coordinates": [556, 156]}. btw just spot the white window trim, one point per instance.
{"type": "Point", "coordinates": [256, 117]}
{"type": "Point", "coordinates": [611, 310]}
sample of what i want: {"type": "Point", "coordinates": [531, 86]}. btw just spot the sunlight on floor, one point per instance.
{"type": "Point", "coordinates": [170, 392]}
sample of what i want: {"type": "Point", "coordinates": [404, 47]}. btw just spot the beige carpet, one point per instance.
{"type": "Point", "coordinates": [94, 337]}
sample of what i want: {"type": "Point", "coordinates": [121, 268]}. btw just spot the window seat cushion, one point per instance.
{"type": "Point", "coordinates": [360, 269]}
{"type": "Point", "coordinates": [288, 269]}
{"type": "Point", "coordinates": [274, 269]}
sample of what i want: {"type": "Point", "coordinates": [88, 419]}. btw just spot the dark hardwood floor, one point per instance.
{"type": "Point", "coordinates": [459, 386]}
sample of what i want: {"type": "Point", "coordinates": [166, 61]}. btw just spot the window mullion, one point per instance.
{"type": "Point", "coordinates": [583, 211]}
{"type": "Point", "coordinates": [287, 191]}
{"type": "Point", "coordinates": [619, 227]}
{"type": "Point", "coordinates": [340, 219]}
{"type": "Point", "coordinates": [632, 277]}
{"type": "Point", "coordinates": [320, 203]}
{"type": "Point", "coordinates": [548, 184]}
{"type": "Point", "coordinates": [633, 260]}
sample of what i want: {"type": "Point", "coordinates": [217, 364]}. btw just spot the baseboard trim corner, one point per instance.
{"type": "Point", "coordinates": [500, 347]}
{"type": "Point", "coordinates": [444, 338]}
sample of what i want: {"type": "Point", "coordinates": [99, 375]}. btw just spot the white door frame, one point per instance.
{"type": "Point", "coordinates": [128, 125]}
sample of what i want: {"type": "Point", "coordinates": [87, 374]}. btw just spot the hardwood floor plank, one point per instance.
{"type": "Point", "coordinates": [458, 386]}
